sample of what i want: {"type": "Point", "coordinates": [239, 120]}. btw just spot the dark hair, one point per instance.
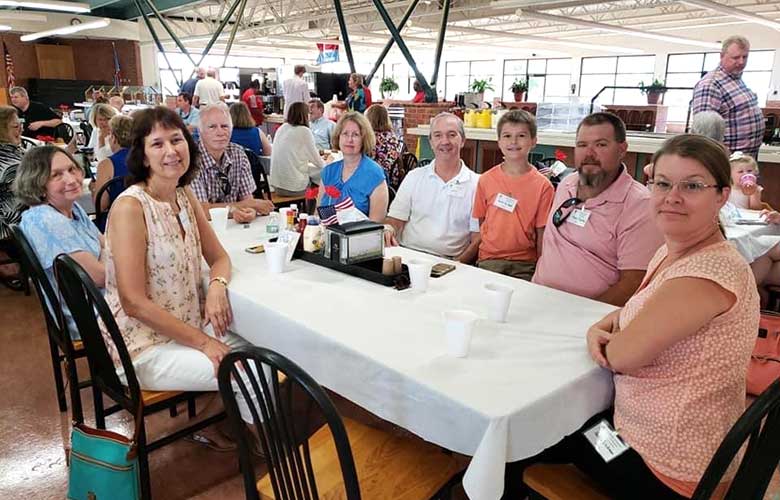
{"type": "Point", "coordinates": [600, 118]}
{"type": "Point", "coordinates": [186, 96]}
{"type": "Point", "coordinates": [144, 121]}
{"type": "Point", "coordinates": [254, 84]}
{"type": "Point", "coordinates": [518, 117]}
{"type": "Point", "coordinates": [298, 114]}
{"type": "Point", "coordinates": [299, 69]}
{"type": "Point", "coordinates": [417, 86]}
{"type": "Point", "coordinates": [317, 103]}
{"type": "Point", "coordinates": [711, 154]}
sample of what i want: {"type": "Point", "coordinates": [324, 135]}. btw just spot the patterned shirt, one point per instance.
{"type": "Point", "coordinates": [388, 149]}
{"type": "Point", "coordinates": [728, 95]}
{"type": "Point", "coordinates": [10, 210]}
{"type": "Point", "coordinates": [228, 181]}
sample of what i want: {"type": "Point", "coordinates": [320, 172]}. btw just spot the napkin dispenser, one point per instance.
{"type": "Point", "coordinates": [354, 242]}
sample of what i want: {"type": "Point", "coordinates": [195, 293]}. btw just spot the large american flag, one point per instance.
{"type": "Point", "coordinates": [10, 77]}
{"type": "Point", "coordinates": [329, 214]}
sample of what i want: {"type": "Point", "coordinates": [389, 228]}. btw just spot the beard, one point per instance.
{"type": "Point", "coordinates": [592, 179]}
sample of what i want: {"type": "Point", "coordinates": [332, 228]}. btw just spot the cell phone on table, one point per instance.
{"type": "Point", "coordinates": [259, 248]}
{"type": "Point", "coordinates": [440, 269]}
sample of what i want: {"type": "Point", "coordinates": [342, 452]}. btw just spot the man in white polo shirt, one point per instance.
{"type": "Point", "coordinates": [432, 210]}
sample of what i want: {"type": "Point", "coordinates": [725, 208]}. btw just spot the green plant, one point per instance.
{"type": "Point", "coordinates": [481, 85]}
{"type": "Point", "coordinates": [657, 86]}
{"type": "Point", "coordinates": [519, 85]}
{"type": "Point", "coordinates": [388, 85]}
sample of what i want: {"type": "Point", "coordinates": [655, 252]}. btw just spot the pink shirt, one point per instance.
{"type": "Point", "coordinates": [675, 411]}
{"type": "Point", "coordinates": [619, 235]}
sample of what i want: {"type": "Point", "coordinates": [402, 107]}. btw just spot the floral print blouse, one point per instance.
{"type": "Point", "coordinates": [388, 149]}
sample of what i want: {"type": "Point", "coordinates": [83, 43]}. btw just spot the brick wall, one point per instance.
{"type": "Point", "coordinates": [94, 59]}
{"type": "Point", "coordinates": [418, 114]}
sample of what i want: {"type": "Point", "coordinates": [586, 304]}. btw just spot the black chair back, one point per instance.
{"type": "Point", "coordinates": [424, 162]}
{"type": "Point", "coordinates": [84, 299]}
{"type": "Point", "coordinates": [285, 446]}
{"type": "Point", "coordinates": [28, 144]}
{"type": "Point", "coordinates": [759, 426]}
{"type": "Point", "coordinates": [101, 215]}
{"type": "Point", "coordinates": [86, 127]}
{"type": "Point", "coordinates": [64, 131]}
{"type": "Point", "coordinates": [263, 190]}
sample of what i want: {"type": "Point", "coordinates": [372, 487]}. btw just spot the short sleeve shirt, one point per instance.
{"type": "Point", "coordinates": [191, 119]}
{"type": "Point", "coordinates": [36, 112]}
{"type": "Point", "coordinates": [359, 186]}
{"type": "Point", "coordinates": [618, 235]}
{"type": "Point", "coordinates": [209, 91]}
{"type": "Point", "coordinates": [322, 129]}
{"type": "Point", "coordinates": [227, 181]}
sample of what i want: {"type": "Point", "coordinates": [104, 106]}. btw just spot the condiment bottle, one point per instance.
{"type": "Point", "coordinates": [312, 235]}
{"type": "Point", "coordinates": [302, 220]}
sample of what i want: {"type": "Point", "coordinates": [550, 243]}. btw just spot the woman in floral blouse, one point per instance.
{"type": "Point", "coordinates": [388, 147]}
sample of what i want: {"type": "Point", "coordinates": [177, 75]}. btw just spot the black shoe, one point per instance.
{"type": "Point", "coordinates": [15, 284]}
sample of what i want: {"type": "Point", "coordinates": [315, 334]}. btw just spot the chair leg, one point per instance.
{"type": "Point", "coordinates": [143, 465]}
{"type": "Point", "coordinates": [100, 412]}
{"type": "Point", "coordinates": [174, 411]}
{"type": "Point", "coordinates": [58, 383]}
{"type": "Point", "coordinates": [191, 408]}
{"type": "Point", "coordinates": [75, 391]}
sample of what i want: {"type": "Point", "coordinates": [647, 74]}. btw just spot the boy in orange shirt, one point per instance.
{"type": "Point", "coordinates": [512, 202]}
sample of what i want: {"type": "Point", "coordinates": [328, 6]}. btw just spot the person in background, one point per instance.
{"type": "Point", "coordinates": [117, 103]}
{"type": "Point", "coordinates": [188, 113]}
{"type": "Point", "coordinates": [245, 133]}
{"type": "Point", "coordinates": [119, 139]}
{"type": "Point", "coordinates": [747, 191]}
{"type": "Point", "coordinates": [188, 87]}
{"type": "Point", "coordinates": [98, 141]}
{"type": "Point", "coordinates": [600, 236]}
{"type": "Point", "coordinates": [254, 101]}
{"type": "Point", "coordinates": [209, 90]}
{"type": "Point", "coordinates": [722, 90]}
{"type": "Point", "coordinates": [11, 154]}
{"type": "Point", "coordinates": [295, 161]}
{"type": "Point", "coordinates": [419, 93]}
{"type": "Point", "coordinates": [356, 176]}
{"type": "Point", "coordinates": [388, 147]}
{"type": "Point", "coordinates": [320, 126]}
{"type": "Point", "coordinates": [37, 118]}
{"type": "Point", "coordinates": [709, 124]}
{"type": "Point", "coordinates": [50, 181]}
{"type": "Point", "coordinates": [356, 100]}
{"type": "Point", "coordinates": [224, 176]}
{"type": "Point", "coordinates": [295, 89]}
{"type": "Point", "coordinates": [432, 210]}
{"type": "Point", "coordinates": [513, 202]}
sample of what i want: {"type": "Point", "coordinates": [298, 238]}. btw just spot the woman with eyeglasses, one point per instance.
{"type": "Point", "coordinates": [356, 176]}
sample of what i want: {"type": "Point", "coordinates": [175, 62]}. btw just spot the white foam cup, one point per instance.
{"type": "Point", "coordinates": [219, 217]}
{"type": "Point", "coordinates": [275, 256]}
{"type": "Point", "coordinates": [499, 297]}
{"type": "Point", "coordinates": [419, 273]}
{"type": "Point", "coordinates": [458, 326]}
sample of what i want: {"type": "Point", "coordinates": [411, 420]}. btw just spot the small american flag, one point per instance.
{"type": "Point", "coordinates": [10, 77]}
{"type": "Point", "coordinates": [329, 214]}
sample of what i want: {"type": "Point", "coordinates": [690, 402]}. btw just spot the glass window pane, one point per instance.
{"type": "Point", "coordinates": [758, 82]}
{"type": "Point", "coordinates": [682, 79]}
{"type": "Point", "coordinates": [680, 63]}
{"type": "Point", "coordinates": [483, 69]}
{"type": "Point", "coordinates": [711, 61]}
{"type": "Point", "coordinates": [630, 97]}
{"type": "Point", "coordinates": [559, 66]}
{"type": "Point", "coordinates": [537, 66]}
{"type": "Point", "coordinates": [536, 89]}
{"type": "Point", "coordinates": [678, 102]}
{"type": "Point", "coordinates": [760, 60]}
{"type": "Point", "coordinates": [591, 65]}
{"type": "Point", "coordinates": [456, 84]}
{"type": "Point", "coordinates": [633, 79]}
{"type": "Point", "coordinates": [590, 84]}
{"type": "Point", "coordinates": [515, 66]}
{"type": "Point", "coordinates": [457, 68]}
{"type": "Point", "coordinates": [557, 86]}
{"type": "Point", "coordinates": [636, 64]}
{"type": "Point", "coordinates": [168, 81]}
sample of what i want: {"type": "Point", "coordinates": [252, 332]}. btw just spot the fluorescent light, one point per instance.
{"type": "Point", "coordinates": [67, 30]}
{"type": "Point", "coordinates": [47, 5]}
{"type": "Point", "coordinates": [4, 27]}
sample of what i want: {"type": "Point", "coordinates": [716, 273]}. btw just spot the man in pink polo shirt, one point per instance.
{"type": "Point", "coordinates": [600, 236]}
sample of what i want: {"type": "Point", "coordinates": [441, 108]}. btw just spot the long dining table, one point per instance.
{"type": "Point", "coordinates": [524, 385]}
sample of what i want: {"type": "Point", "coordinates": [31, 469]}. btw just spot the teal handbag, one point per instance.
{"type": "Point", "coordinates": [103, 465]}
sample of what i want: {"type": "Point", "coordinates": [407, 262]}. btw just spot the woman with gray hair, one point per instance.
{"type": "Point", "coordinates": [50, 181]}
{"type": "Point", "coordinates": [10, 210]}
{"type": "Point", "coordinates": [709, 124]}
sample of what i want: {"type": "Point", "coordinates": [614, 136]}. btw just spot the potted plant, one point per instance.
{"type": "Point", "coordinates": [654, 91]}
{"type": "Point", "coordinates": [519, 87]}
{"type": "Point", "coordinates": [480, 86]}
{"type": "Point", "coordinates": [388, 86]}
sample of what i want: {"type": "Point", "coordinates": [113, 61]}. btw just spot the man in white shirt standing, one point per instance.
{"type": "Point", "coordinates": [209, 90]}
{"type": "Point", "coordinates": [295, 89]}
{"type": "Point", "coordinates": [432, 210]}
{"type": "Point", "coordinates": [320, 126]}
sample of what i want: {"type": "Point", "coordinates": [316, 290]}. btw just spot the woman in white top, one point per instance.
{"type": "Point", "coordinates": [295, 161]}
{"type": "Point", "coordinates": [98, 141]}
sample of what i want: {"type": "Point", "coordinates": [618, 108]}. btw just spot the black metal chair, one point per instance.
{"type": "Point", "coordinates": [548, 162]}
{"type": "Point", "coordinates": [424, 162]}
{"type": "Point", "coordinates": [64, 131]}
{"type": "Point", "coordinates": [61, 347]}
{"type": "Point", "coordinates": [759, 427]}
{"type": "Point", "coordinates": [294, 459]}
{"type": "Point", "coordinates": [101, 214]}
{"type": "Point", "coordinates": [84, 300]}
{"type": "Point", "coordinates": [28, 144]}
{"type": "Point", "coordinates": [86, 128]}
{"type": "Point", "coordinates": [20, 282]}
{"type": "Point", "coordinates": [263, 190]}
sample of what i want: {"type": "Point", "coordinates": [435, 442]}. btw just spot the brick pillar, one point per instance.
{"type": "Point", "coordinates": [418, 114]}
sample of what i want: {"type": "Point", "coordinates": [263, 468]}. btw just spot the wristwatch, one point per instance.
{"type": "Point", "coordinates": [219, 279]}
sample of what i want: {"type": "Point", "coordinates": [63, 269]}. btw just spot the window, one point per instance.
{"type": "Point", "coordinates": [548, 79]}
{"type": "Point", "coordinates": [598, 72]}
{"type": "Point", "coordinates": [685, 70]}
{"type": "Point", "coordinates": [460, 74]}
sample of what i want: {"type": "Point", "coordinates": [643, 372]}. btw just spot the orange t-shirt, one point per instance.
{"type": "Point", "coordinates": [511, 235]}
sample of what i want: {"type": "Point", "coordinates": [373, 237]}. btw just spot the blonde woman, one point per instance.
{"type": "Point", "coordinates": [99, 117]}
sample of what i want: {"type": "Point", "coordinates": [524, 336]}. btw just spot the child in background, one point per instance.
{"type": "Point", "coordinates": [744, 173]}
{"type": "Point", "coordinates": [512, 202]}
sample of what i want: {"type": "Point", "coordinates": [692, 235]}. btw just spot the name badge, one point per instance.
{"type": "Point", "coordinates": [579, 217]}
{"type": "Point", "coordinates": [184, 219]}
{"type": "Point", "coordinates": [505, 202]}
{"type": "Point", "coordinates": [606, 441]}
{"type": "Point", "coordinates": [457, 190]}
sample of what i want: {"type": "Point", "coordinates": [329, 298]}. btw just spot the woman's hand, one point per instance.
{"type": "Point", "coordinates": [597, 342]}
{"type": "Point", "coordinates": [218, 312]}
{"type": "Point", "coordinates": [771, 216]}
{"type": "Point", "coordinates": [215, 350]}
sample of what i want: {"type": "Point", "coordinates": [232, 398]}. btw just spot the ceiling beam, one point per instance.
{"type": "Point", "coordinates": [735, 12]}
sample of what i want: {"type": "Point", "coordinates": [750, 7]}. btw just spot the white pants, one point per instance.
{"type": "Point", "coordinates": [174, 367]}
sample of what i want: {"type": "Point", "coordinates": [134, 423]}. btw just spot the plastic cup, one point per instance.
{"type": "Point", "coordinates": [219, 217]}
{"type": "Point", "coordinates": [747, 183]}
{"type": "Point", "coordinates": [499, 297]}
{"type": "Point", "coordinates": [458, 326]}
{"type": "Point", "coordinates": [275, 256]}
{"type": "Point", "coordinates": [419, 273]}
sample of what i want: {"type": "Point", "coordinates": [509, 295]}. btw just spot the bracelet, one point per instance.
{"type": "Point", "coordinates": [219, 279]}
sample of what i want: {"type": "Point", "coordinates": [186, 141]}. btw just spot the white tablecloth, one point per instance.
{"type": "Point", "coordinates": [524, 385]}
{"type": "Point", "coordinates": [752, 241]}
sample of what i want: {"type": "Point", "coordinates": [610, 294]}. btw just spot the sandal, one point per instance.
{"type": "Point", "coordinates": [208, 443]}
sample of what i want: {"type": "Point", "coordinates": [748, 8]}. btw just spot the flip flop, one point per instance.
{"type": "Point", "coordinates": [208, 443]}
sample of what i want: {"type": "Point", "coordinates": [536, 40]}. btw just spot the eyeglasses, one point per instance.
{"type": "Point", "coordinates": [559, 217]}
{"type": "Point", "coordinates": [685, 187]}
{"type": "Point", "coordinates": [224, 183]}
